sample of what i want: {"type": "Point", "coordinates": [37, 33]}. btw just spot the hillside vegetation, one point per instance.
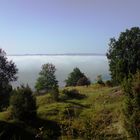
{"type": "Point", "coordinates": [94, 112]}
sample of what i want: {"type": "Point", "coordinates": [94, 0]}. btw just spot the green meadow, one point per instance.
{"type": "Point", "coordinates": [94, 113]}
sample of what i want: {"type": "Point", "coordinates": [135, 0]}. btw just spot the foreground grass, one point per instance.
{"type": "Point", "coordinates": [97, 115]}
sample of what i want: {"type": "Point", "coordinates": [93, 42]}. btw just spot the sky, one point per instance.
{"type": "Point", "coordinates": [64, 26]}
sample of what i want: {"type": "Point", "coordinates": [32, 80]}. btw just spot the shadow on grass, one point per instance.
{"type": "Point", "coordinates": [77, 105]}
{"type": "Point", "coordinates": [14, 131]}
{"type": "Point", "coordinates": [72, 94]}
{"type": "Point", "coordinates": [38, 129]}
{"type": "Point", "coordinates": [49, 129]}
{"type": "Point", "coordinates": [69, 95]}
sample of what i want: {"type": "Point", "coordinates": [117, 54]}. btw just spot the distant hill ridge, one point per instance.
{"type": "Point", "coordinates": [60, 54]}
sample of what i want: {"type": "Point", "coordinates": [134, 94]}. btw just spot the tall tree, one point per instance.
{"type": "Point", "coordinates": [47, 79]}
{"type": "Point", "coordinates": [124, 54]}
{"type": "Point", "coordinates": [8, 69]}
{"type": "Point", "coordinates": [8, 73]}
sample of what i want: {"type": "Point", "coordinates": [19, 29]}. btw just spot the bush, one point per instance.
{"type": "Point", "coordinates": [54, 94]}
{"type": "Point", "coordinates": [23, 104]}
{"type": "Point", "coordinates": [131, 107]}
{"type": "Point", "coordinates": [99, 80]}
{"type": "Point", "coordinates": [5, 92]}
{"type": "Point", "coordinates": [73, 94]}
{"type": "Point", "coordinates": [109, 83]}
{"type": "Point", "coordinates": [84, 81]}
{"type": "Point", "coordinates": [74, 77]}
{"type": "Point", "coordinates": [8, 73]}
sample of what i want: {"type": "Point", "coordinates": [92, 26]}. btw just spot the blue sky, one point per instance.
{"type": "Point", "coordinates": [64, 26]}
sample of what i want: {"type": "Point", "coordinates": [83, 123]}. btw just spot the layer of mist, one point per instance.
{"type": "Point", "coordinates": [30, 66]}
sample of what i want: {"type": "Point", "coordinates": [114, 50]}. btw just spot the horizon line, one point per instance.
{"type": "Point", "coordinates": [60, 54]}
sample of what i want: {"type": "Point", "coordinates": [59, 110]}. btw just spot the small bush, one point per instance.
{"type": "Point", "coordinates": [73, 94]}
{"type": "Point", "coordinates": [75, 76]}
{"type": "Point", "coordinates": [109, 83]}
{"type": "Point", "coordinates": [5, 91]}
{"type": "Point", "coordinates": [99, 80]}
{"type": "Point", "coordinates": [23, 104]}
{"type": "Point", "coordinates": [54, 94]}
{"type": "Point", "coordinates": [84, 81]}
{"type": "Point", "coordinates": [95, 126]}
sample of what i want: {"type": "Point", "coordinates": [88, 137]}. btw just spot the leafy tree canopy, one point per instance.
{"type": "Point", "coordinates": [8, 73]}
{"type": "Point", "coordinates": [47, 80]}
{"type": "Point", "coordinates": [74, 77]}
{"type": "Point", "coordinates": [124, 54]}
{"type": "Point", "coordinates": [8, 69]}
{"type": "Point", "coordinates": [83, 81]}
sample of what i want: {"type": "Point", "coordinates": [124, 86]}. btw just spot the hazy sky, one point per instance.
{"type": "Point", "coordinates": [64, 26]}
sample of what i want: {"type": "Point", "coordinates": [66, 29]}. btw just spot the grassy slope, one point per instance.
{"type": "Point", "coordinates": [101, 107]}
{"type": "Point", "coordinates": [98, 114]}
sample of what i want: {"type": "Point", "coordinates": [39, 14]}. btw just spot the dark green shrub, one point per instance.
{"type": "Point", "coordinates": [100, 80]}
{"type": "Point", "coordinates": [23, 104]}
{"type": "Point", "coordinates": [74, 77]}
{"type": "Point", "coordinates": [84, 81]}
{"type": "Point", "coordinates": [109, 83]}
{"type": "Point", "coordinates": [73, 94]}
{"type": "Point", "coordinates": [54, 94]}
{"type": "Point", "coordinates": [5, 92]}
{"type": "Point", "coordinates": [8, 73]}
{"type": "Point", "coordinates": [131, 107]}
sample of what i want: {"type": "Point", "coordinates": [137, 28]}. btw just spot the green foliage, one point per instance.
{"type": "Point", "coordinates": [8, 69]}
{"type": "Point", "coordinates": [54, 94]}
{"type": "Point", "coordinates": [5, 92]}
{"type": "Point", "coordinates": [8, 73]}
{"type": "Point", "coordinates": [47, 80]}
{"type": "Point", "coordinates": [109, 83]}
{"type": "Point", "coordinates": [124, 54]}
{"type": "Point", "coordinates": [95, 126]}
{"type": "Point", "coordinates": [131, 108]}
{"type": "Point", "coordinates": [73, 94]}
{"type": "Point", "coordinates": [23, 104]}
{"type": "Point", "coordinates": [6, 115]}
{"type": "Point", "coordinates": [99, 80]}
{"type": "Point", "coordinates": [75, 76]}
{"type": "Point", "coordinates": [83, 81]}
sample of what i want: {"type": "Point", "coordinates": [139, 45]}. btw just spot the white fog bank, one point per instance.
{"type": "Point", "coordinates": [29, 67]}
